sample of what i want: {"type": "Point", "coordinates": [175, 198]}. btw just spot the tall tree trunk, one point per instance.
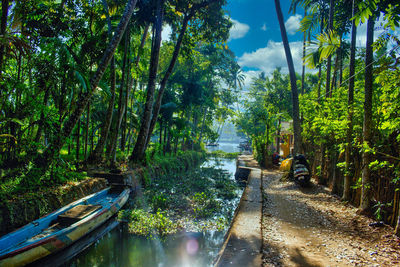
{"type": "Point", "coordinates": [278, 137]}
{"type": "Point", "coordinates": [329, 62]}
{"type": "Point", "coordinates": [320, 66]}
{"type": "Point", "coordinates": [129, 80]}
{"type": "Point", "coordinates": [350, 110]}
{"type": "Point", "coordinates": [140, 146]}
{"type": "Point", "coordinates": [78, 138]}
{"type": "Point", "coordinates": [44, 160]}
{"type": "Point", "coordinates": [87, 130]}
{"type": "Point", "coordinates": [121, 99]}
{"type": "Point", "coordinates": [157, 106]}
{"type": "Point", "coordinates": [203, 123]}
{"type": "Point", "coordinates": [98, 151]}
{"type": "Point", "coordinates": [303, 69]}
{"type": "Point", "coordinates": [293, 85]}
{"type": "Point", "coordinates": [42, 118]}
{"type": "Point", "coordinates": [365, 202]}
{"type": "Point", "coordinates": [3, 29]}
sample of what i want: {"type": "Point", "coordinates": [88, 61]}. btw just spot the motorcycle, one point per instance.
{"type": "Point", "coordinates": [300, 168]}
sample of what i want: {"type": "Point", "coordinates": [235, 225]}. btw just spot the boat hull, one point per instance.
{"type": "Point", "coordinates": [64, 237]}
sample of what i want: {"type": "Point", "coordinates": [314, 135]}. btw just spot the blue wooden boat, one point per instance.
{"type": "Point", "coordinates": [60, 228]}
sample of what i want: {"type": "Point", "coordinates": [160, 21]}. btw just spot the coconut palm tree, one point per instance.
{"type": "Point", "coordinates": [292, 75]}
{"type": "Point", "coordinates": [350, 100]}
{"type": "Point", "coordinates": [42, 161]}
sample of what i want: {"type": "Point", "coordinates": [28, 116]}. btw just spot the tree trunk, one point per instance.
{"type": "Point", "coordinates": [42, 118]}
{"type": "Point", "coordinates": [140, 146]}
{"type": "Point", "coordinates": [203, 124]}
{"type": "Point", "coordinates": [3, 29]}
{"type": "Point", "coordinates": [292, 74]}
{"type": "Point", "coordinates": [365, 202]}
{"type": "Point", "coordinates": [157, 105]}
{"type": "Point", "coordinates": [96, 154]}
{"type": "Point", "coordinates": [278, 137]}
{"type": "Point", "coordinates": [350, 100]}
{"type": "Point", "coordinates": [78, 137]}
{"type": "Point", "coordinates": [121, 99]}
{"type": "Point", "coordinates": [87, 129]}
{"type": "Point", "coordinates": [98, 151]}
{"type": "Point", "coordinates": [303, 69]}
{"type": "Point", "coordinates": [44, 160]}
{"type": "Point", "coordinates": [329, 62]}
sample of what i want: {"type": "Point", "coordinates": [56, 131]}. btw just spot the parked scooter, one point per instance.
{"type": "Point", "coordinates": [301, 170]}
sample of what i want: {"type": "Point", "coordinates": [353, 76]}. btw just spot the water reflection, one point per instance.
{"type": "Point", "coordinates": [226, 147]}
{"type": "Point", "coordinates": [118, 248]}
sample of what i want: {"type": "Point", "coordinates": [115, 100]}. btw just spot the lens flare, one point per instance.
{"type": "Point", "coordinates": [192, 246]}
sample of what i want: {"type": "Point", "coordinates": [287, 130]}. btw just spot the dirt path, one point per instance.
{"type": "Point", "coordinates": [309, 227]}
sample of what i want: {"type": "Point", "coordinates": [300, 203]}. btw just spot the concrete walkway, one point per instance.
{"type": "Point", "coordinates": [243, 243]}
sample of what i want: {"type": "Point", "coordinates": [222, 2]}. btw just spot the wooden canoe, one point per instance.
{"type": "Point", "coordinates": [60, 228]}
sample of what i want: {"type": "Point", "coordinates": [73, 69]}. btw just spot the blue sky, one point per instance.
{"type": "Point", "coordinates": [255, 37]}
{"type": "Point", "coordinates": [259, 18]}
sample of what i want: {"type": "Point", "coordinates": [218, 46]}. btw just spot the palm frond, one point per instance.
{"type": "Point", "coordinates": [328, 43]}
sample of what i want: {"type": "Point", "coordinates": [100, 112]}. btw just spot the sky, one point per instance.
{"type": "Point", "coordinates": [255, 37]}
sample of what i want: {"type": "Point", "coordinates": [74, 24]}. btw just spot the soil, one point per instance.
{"type": "Point", "coordinates": [311, 227]}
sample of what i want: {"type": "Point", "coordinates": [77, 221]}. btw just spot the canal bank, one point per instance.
{"type": "Point", "coordinates": [23, 209]}
{"type": "Point", "coordinates": [197, 245]}
{"type": "Point", "coordinates": [243, 242]}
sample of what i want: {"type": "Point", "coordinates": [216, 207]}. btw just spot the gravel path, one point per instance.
{"type": "Point", "coordinates": [310, 227]}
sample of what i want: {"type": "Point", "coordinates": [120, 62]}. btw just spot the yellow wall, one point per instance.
{"type": "Point", "coordinates": [287, 145]}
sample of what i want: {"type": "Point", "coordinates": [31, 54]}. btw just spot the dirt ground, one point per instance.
{"type": "Point", "coordinates": [310, 227]}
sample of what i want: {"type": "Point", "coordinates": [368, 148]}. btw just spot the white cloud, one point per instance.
{"type": "Point", "coordinates": [238, 30]}
{"type": "Point", "coordinates": [293, 24]}
{"type": "Point", "coordinates": [248, 78]}
{"type": "Point", "coordinates": [166, 33]}
{"type": "Point", "coordinates": [272, 56]}
{"type": "Point", "coordinates": [361, 39]}
{"type": "Point", "coordinates": [264, 27]}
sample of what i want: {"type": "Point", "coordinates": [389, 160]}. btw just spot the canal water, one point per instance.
{"type": "Point", "coordinates": [119, 248]}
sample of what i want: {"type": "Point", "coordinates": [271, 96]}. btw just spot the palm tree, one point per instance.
{"type": "Point", "coordinates": [350, 100]}
{"type": "Point", "coordinates": [42, 161]}
{"type": "Point", "coordinates": [3, 28]}
{"type": "Point", "coordinates": [96, 154]}
{"type": "Point", "coordinates": [365, 202]}
{"type": "Point", "coordinates": [329, 62]}
{"type": "Point", "coordinates": [140, 146]}
{"type": "Point", "coordinates": [293, 85]}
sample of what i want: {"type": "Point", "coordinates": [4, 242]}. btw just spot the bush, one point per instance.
{"type": "Point", "coordinates": [148, 224]}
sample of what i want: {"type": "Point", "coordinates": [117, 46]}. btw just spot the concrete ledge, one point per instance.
{"type": "Point", "coordinates": [243, 242]}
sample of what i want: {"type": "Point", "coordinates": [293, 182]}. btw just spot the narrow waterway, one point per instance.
{"type": "Point", "coordinates": [117, 247]}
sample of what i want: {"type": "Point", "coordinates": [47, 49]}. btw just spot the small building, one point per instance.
{"type": "Point", "coordinates": [286, 138]}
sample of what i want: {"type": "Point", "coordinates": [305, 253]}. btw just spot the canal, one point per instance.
{"type": "Point", "coordinates": [113, 245]}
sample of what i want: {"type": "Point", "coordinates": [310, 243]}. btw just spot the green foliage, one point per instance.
{"type": "Point", "coordinates": [223, 154]}
{"type": "Point", "coordinates": [203, 205]}
{"type": "Point", "coordinates": [148, 224]}
{"type": "Point", "coordinates": [159, 201]}
{"type": "Point", "coordinates": [380, 209]}
{"type": "Point", "coordinates": [59, 173]}
{"type": "Point", "coordinates": [203, 198]}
